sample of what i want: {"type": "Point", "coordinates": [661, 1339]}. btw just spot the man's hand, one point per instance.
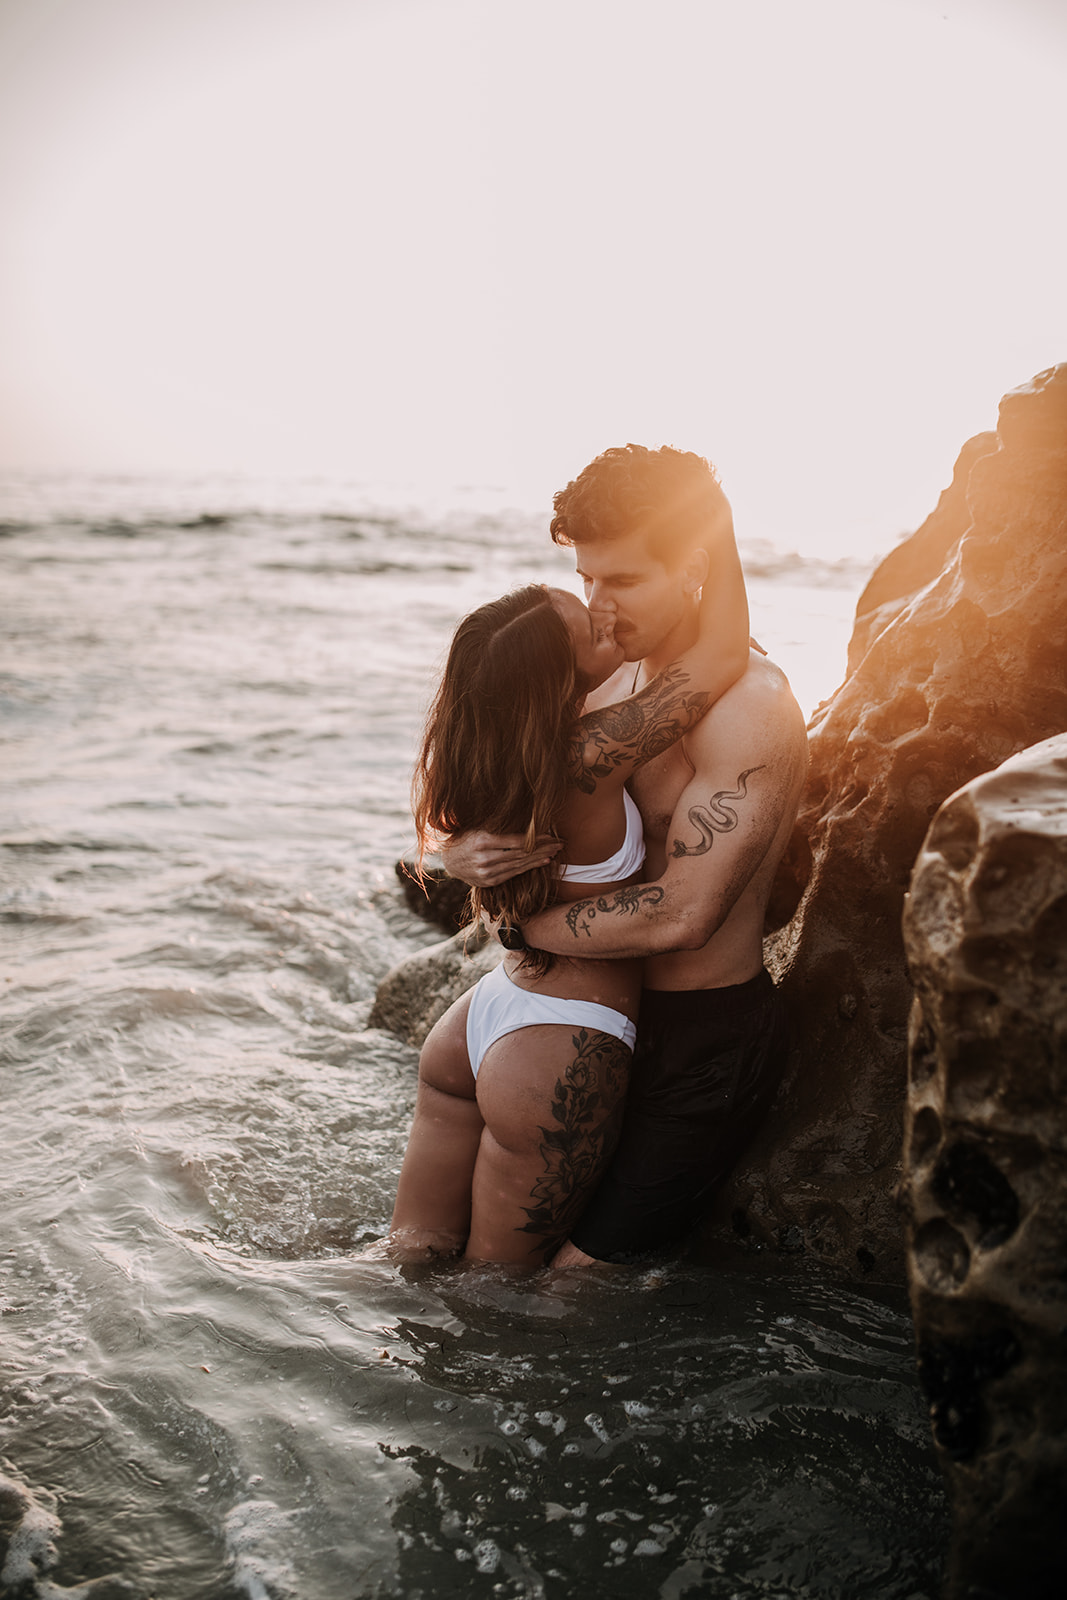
{"type": "Point", "coordinates": [487, 859]}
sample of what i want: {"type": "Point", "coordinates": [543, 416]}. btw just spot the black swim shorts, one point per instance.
{"type": "Point", "coordinates": [706, 1065]}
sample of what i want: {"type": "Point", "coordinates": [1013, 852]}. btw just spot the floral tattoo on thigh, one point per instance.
{"type": "Point", "coordinates": [587, 1107]}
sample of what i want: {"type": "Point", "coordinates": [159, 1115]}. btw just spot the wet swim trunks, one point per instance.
{"type": "Point", "coordinates": [499, 1006]}
{"type": "Point", "coordinates": [705, 1069]}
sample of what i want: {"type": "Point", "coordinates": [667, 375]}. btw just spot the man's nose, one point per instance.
{"type": "Point", "coordinates": [599, 598]}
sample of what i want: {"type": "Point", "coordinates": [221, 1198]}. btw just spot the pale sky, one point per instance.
{"type": "Point", "coordinates": [424, 243]}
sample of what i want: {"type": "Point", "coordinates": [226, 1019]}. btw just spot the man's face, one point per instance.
{"type": "Point", "coordinates": [647, 598]}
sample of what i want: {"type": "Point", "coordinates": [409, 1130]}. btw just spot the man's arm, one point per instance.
{"type": "Point", "coordinates": [725, 821]}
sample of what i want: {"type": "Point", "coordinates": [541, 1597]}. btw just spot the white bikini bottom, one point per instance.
{"type": "Point", "coordinates": [499, 1006]}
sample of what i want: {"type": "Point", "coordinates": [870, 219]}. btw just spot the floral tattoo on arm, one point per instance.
{"type": "Point", "coordinates": [634, 731]}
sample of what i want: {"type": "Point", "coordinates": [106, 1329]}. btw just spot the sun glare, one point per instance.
{"type": "Point", "coordinates": [444, 243]}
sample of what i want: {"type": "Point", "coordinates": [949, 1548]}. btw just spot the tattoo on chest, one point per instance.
{"type": "Point", "coordinates": [624, 902]}
{"type": "Point", "coordinates": [715, 817]}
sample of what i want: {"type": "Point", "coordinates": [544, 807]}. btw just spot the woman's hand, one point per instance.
{"type": "Point", "coordinates": [487, 859]}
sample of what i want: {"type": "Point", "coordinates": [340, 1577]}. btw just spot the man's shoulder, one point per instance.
{"type": "Point", "coordinates": [762, 678]}
{"type": "Point", "coordinates": [759, 706]}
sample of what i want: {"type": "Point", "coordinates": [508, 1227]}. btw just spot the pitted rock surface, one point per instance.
{"type": "Point", "coordinates": [985, 1186]}
{"type": "Point", "coordinates": [970, 669]}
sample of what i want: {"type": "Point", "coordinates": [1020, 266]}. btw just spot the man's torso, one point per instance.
{"type": "Point", "coordinates": [762, 704]}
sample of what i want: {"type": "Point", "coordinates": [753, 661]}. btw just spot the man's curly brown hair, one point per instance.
{"type": "Point", "coordinates": [672, 496]}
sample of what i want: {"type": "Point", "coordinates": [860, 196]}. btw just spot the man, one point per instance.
{"type": "Point", "coordinates": [718, 808]}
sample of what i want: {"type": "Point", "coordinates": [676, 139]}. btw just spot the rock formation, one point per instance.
{"type": "Point", "coordinates": [918, 560]}
{"type": "Point", "coordinates": [438, 898]}
{"type": "Point", "coordinates": [420, 989]}
{"type": "Point", "coordinates": [967, 671]}
{"type": "Point", "coordinates": [985, 1185]}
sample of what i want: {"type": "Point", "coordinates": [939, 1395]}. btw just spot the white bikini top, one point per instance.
{"type": "Point", "coordinates": [626, 860]}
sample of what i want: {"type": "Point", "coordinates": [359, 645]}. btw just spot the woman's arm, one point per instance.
{"type": "Point", "coordinates": [488, 859]}
{"type": "Point", "coordinates": [610, 743]}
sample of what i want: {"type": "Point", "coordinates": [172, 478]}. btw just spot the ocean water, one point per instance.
{"type": "Point", "coordinates": [210, 694]}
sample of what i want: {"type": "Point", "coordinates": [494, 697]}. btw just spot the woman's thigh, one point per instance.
{"type": "Point", "coordinates": [433, 1198]}
{"type": "Point", "coordinates": [551, 1098]}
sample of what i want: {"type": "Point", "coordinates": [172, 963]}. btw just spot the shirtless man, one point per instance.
{"type": "Point", "coordinates": [718, 808]}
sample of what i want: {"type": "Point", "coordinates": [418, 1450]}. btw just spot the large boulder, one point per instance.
{"type": "Point", "coordinates": [963, 674]}
{"type": "Point", "coordinates": [919, 560]}
{"type": "Point", "coordinates": [985, 1184]}
{"type": "Point", "coordinates": [419, 989]}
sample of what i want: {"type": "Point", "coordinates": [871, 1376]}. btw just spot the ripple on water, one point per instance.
{"type": "Point", "coordinates": [204, 1394]}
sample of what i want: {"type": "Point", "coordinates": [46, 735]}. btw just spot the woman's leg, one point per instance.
{"type": "Point", "coordinates": [551, 1097]}
{"type": "Point", "coordinates": [433, 1198]}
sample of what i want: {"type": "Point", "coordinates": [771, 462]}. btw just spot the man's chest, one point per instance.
{"type": "Point", "coordinates": [657, 787]}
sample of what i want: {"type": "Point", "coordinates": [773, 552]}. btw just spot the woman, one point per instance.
{"type": "Point", "coordinates": [522, 1081]}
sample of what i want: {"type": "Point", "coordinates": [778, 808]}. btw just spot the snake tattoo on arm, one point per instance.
{"type": "Point", "coordinates": [640, 899]}
{"type": "Point", "coordinates": [715, 817]}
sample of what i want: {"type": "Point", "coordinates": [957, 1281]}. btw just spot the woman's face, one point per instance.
{"type": "Point", "coordinates": [595, 651]}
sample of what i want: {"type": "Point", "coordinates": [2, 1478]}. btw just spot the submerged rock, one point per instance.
{"type": "Point", "coordinates": [418, 990]}
{"type": "Point", "coordinates": [965, 672]}
{"type": "Point", "coordinates": [985, 1184]}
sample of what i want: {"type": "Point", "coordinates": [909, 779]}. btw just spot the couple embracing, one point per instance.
{"type": "Point", "coordinates": [618, 783]}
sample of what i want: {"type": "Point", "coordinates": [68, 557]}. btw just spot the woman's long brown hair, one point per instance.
{"type": "Point", "coordinates": [494, 750]}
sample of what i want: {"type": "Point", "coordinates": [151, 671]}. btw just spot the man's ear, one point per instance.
{"type": "Point", "coordinates": [695, 570]}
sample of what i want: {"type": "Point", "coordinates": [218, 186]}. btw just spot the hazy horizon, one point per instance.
{"type": "Point", "coordinates": [421, 246]}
